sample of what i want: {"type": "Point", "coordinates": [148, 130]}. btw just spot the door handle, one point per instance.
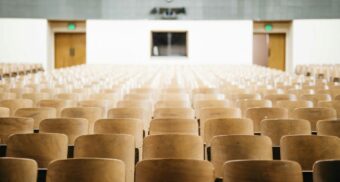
{"type": "Point", "coordinates": [72, 52]}
{"type": "Point", "coordinates": [269, 52]}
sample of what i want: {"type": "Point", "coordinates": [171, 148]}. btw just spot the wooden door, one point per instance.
{"type": "Point", "coordinates": [260, 49]}
{"type": "Point", "coordinates": [70, 49]}
{"type": "Point", "coordinates": [277, 51]}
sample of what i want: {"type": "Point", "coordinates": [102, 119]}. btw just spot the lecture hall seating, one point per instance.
{"type": "Point", "coordinates": [166, 123]}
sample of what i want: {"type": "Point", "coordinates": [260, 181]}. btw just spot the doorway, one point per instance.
{"type": "Point", "coordinates": [270, 50]}
{"type": "Point", "coordinates": [272, 44]}
{"type": "Point", "coordinates": [70, 49]}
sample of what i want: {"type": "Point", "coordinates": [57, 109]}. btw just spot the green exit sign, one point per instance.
{"type": "Point", "coordinates": [268, 27]}
{"type": "Point", "coordinates": [71, 26]}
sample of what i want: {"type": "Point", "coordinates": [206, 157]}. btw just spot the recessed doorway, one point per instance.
{"type": "Point", "coordinates": [271, 44]}
{"type": "Point", "coordinates": [70, 49]}
{"type": "Point", "coordinates": [269, 50]}
{"type": "Point", "coordinates": [66, 43]}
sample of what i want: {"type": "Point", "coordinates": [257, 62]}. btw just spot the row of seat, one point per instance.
{"type": "Point", "coordinates": [248, 108]}
{"type": "Point", "coordinates": [37, 92]}
{"type": "Point", "coordinates": [10, 69]}
{"type": "Point", "coordinates": [46, 147]}
{"type": "Point", "coordinates": [53, 147]}
{"type": "Point", "coordinates": [165, 170]}
{"type": "Point", "coordinates": [328, 71]}
{"type": "Point", "coordinates": [78, 121]}
{"type": "Point", "coordinates": [180, 108]}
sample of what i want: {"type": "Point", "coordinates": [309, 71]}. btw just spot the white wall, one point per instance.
{"type": "Point", "coordinates": [23, 41]}
{"type": "Point", "coordinates": [227, 42]}
{"type": "Point", "coordinates": [316, 42]}
{"type": "Point", "coordinates": [112, 41]}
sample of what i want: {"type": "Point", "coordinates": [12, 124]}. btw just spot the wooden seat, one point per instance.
{"type": "Point", "coordinates": [275, 129]}
{"type": "Point", "coordinates": [206, 96]}
{"type": "Point", "coordinates": [35, 97]}
{"type": "Point", "coordinates": [328, 127]}
{"type": "Point", "coordinates": [279, 97]}
{"type": "Point", "coordinates": [58, 104]}
{"type": "Point", "coordinates": [86, 170]}
{"type": "Point", "coordinates": [51, 91]}
{"type": "Point", "coordinates": [69, 96]}
{"type": "Point", "coordinates": [18, 170]}
{"type": "Point", "coordinates": [120, 147]}
{"type": "Point", "coordinates": [71, 127]}
{"type": "Point", "coordinates": [210, 103]}
{"type": "Point", "coordinates": [315, 114]}
{"type": "Point", "coordinates": [259, 113]}
{"type": "Point", "coordinates": [185, 113]}
{"type": "Point", "coordinates": [335, 92]}
{"type": "Point", "coordinates": [316, 98]}
{"type": "Point", "coordinates": [127, 126]}
{"type": "Point", "coordinates": [62, 88]}
{"type": "Point", "coordinates": [43, 148]}
{"type": "Point", "coordinates": [92, 114]}
{"type": "Point", "coordinates": [20, 91]}
{"type": "Point", "coordinates": [145, 89]}
{"type": "Point", "coordinates": [4, 112]}
{"type": "Point", "coordinates": [37, 114]}
{"type": "Point", "coordinates": [36, 87]}
{"type": "Point", "coordinates": [308, 149]}
{"type": "Point", "coordinates": [4, 87]}
{"type": "Point", "coordinates": [138, 96]}
{"type": "Point", "coordinates": [326, 171]}
{"type": "Point", "coordinates": [226, 126]}
{"type": "Point", "coordinates": [270, 91]}
{"type": "Point", "coordinates": [116, 90]}
{"type": "Point", "coordinates": [173, 146]}
{"type": "Point", "coordinates": [331, 104]}
{"type": "Point", "coordinates": [14, 125]}
{"type": "Point", "coordinates": [325, 91]}
{"type": "Point", "coordinates": [174, 90]}
{"type": "Point", "coordinates": [214, 113]}
{"type": "Point", "coordinates": [131, 113]}
{"type": "Point", "coordinates": [210, 96]}
{"type": "Point", "coordinates": [235, 147]}
{"type": "Point", "coordinates": [105, 105]}
{"type": "Point", "coordinates": [174, 170]}
{"type": "Point", "coordinates": [142, 93]}
{"type": "Point", "coordinates": [113, 97]}
{"type": "Point", "coordinates": [205, 90]}
{"type": "Point", "coordinates": [244, 105]}
{"type": "Point", "coordinates": [173, 96]}
{"type": "Point", "coordinates": [7, 95]}
{"type": "Point", "coordinates": [262, 171]}
{"type": "Point", "coordinates": [248, 96]}
{"type": "Point", "coordinates": [172, 104]}
{"type": "Point", "coordinates": [82, 93]}
{"type": "Point", "coordinates": [292, 105]}
{"type": "Point", "coordinates": [337, 97]}
{"type": "Point", "coordinates": [14, 104]}
{"type": "Point", "coordinates": [144, 104]}
{"type": "Point", "coordinates": [173, 126]}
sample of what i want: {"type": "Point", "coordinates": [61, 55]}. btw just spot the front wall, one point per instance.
{"type": "Point", "coordinates": [228, 42]}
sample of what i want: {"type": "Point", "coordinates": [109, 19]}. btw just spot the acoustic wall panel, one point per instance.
{"type": "Point", "coordinates": [196, 9]}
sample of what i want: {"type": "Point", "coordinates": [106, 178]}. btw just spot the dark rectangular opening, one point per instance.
{"type": "Point", "coordinates": [169, 44]}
